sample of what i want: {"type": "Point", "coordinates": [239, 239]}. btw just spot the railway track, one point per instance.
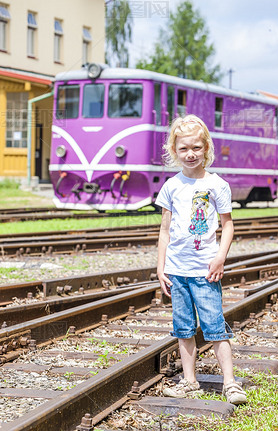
{"type": "Point", "coordinates": [115, 348]}
{"type": "Point", "coordinates": [48, 213]}
{"type": "Point", "coordinates": [90, 240]}
{"type": "Point", "coordinates": [32, 214]}
{"type": "Point", "coordinates": [50, 295]}
{"type": "Point", "coordinates": [78, 240]}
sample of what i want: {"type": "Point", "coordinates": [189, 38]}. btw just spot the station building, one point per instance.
{"type": "Point", "coordinates": [39, 39]}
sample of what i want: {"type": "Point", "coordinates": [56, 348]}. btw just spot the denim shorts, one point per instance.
{"type": "Point", "coordinates": [197, 293]}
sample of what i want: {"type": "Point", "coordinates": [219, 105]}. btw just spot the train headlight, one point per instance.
{"type": "Point", "coordinates": [120, 151]}
{"type": "Point", "coordinates": [94, 70]}
{"type": "Point", "coordinates": [61, 151]}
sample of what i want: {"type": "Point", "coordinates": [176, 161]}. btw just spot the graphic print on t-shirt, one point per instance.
{"type": "Point", "coordinates": [199, 213]}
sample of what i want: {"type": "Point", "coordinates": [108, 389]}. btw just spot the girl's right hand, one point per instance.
{"type": "Point", "coordinates": [165, 284]}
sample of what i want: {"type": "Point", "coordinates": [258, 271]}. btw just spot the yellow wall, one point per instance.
{"type": "Point", "coordinates": [13, 161]}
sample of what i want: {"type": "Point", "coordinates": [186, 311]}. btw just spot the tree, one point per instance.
{"type": "Point", "coordinates": [118, 32]}
{"type": "Point", "coordinates": [183, 49]}
{"type": "Point", "coordinates": [160, 62]}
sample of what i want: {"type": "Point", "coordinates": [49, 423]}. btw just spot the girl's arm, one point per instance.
{"type": "Point", "coordinates": [216, 266]}
{"type": "Point", "coordinates": [163, 241]}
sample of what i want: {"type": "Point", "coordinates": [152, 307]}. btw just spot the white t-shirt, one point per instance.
{"type": "Point", "coordinates": [194, 204]}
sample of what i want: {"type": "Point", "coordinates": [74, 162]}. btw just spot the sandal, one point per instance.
{"type": "Point", "coordinates": [181, 389]}
{"type": "Point", "coordinates": [234, 393]}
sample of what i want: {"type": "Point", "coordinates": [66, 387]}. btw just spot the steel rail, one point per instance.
{"type": "Point", "coordinates": [78, 233]}
{"type": "Point", "coordinates": [84, 316]}
{"type": "Point", "coordinates": [98, 280]}
{"type": "Point", "coordinates": [110, 387]}
{"type": "Point", "coordinates": [74, 244]}
{"type": "Point", "coordinates": [55, 213]}
{"type": "Point", "coordinates": [81, 233]}
{"type": "Point", "coordinates": [101, 281]}
{"type": "Point", "coordinates": [18, 214]}
{"type": "Point", "coordinates": [21, 313]}
{"type": "Point", "coordinates": [82, 284]}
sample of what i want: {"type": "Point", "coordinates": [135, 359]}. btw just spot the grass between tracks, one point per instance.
{"type": "Point", "coordinates": [259, 414]}
{"type": "Point", "coordinates": [69, 224]}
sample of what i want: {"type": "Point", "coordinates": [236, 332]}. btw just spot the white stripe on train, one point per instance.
{"type": "Point", "coordinates": [152, 168]}
{"type": "Point", "coordinates": [89, 167]}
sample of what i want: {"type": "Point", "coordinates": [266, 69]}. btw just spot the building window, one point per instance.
{"type": "Point", "coordinates": [218, 111]}
{"type": "Point", "coordinates": [58, 40]}
{"type": "Point", "coordinates": [4, 22]}
{"type": "Point", "coordinates": [16, 120]}
{"type": "Point", "coordinates": [32, 35]}
{"type": "Point", "coordinates": [87, 39]}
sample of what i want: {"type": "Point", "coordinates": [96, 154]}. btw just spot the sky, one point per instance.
{"type": "Point", "coordinates": [244, 34]}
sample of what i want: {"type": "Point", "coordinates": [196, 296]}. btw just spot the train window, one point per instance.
{"type": "Point", "coordinates": [157, 102]}
{"type": "Point", "coordinates": [67, 101]}
{"type": "Point", "coordinates": [125, 100]}
{"type": "Point", "coordinates": [93, 99]}
{"type": "Point", "coordinates": [181, 102]}
{"type": "Point", "coordinates": [218, 112]}
{"type": "Point", "coordinates": [171, 102]}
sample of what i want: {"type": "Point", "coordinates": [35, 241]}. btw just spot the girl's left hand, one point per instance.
{"type": "Point", "coordinates": [216, 270]}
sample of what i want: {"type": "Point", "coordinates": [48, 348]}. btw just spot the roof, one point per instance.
{"type": "Point", "coordinates": [125, 73]}
{"type": "Point", "coordinates": [26, 75]}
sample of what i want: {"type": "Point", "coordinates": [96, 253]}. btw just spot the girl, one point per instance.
{"type": "Point", "coordinates": [190, 263]}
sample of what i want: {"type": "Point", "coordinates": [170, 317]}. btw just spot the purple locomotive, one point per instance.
{"type": "Point", "coordinates": [109, 126]}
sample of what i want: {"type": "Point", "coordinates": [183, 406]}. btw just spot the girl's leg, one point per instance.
{"type": "Point", "coordinates": [223, 353]}
{"type": "Point", "coordinates": [231, 390]}
{"type": "Point", "coordinates": [188, 353]}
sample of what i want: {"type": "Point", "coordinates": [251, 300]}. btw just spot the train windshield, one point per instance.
{"type": "Point", "coordinates": [93, 99]}
{"type": "Point", "coordinates": [125, 100]}
{"type": "Point", "coordinates": [67, 101]}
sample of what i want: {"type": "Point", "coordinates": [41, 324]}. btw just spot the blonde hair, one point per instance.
{"type": "Point", "coordinates": [187, 126]}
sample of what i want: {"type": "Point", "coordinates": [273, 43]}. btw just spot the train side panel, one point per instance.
{"type": "Point", "coordinates": [245, 138]}
{"type": "Point", "coordinates": [111, 144]}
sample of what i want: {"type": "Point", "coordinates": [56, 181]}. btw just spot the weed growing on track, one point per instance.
{"type": "Point", "coordinates": [259, 414]}
{"type": "Point", "coordinates": [12, 273]}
